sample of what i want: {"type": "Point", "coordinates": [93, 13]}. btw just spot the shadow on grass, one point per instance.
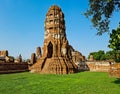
{"type": "Point", "coordinates": [117, 81]}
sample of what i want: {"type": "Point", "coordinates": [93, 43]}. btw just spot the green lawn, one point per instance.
{"type": "Point", "coordinates": [79, 83]}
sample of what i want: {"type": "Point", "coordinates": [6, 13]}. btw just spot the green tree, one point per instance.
{"type": "Point", "coordinates": [114, 43]}
{"type": "Point", "coordinates": [100, 55]}
{"type": "Point", "coordinates": [100, 12]}
{"type": "Point", "coordinates": [110, 55]}
{"type": "Point", "coordinates": [103, 57]}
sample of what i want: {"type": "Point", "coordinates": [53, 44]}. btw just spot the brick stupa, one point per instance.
{"type": "Point", "coordinates": [56, 57]}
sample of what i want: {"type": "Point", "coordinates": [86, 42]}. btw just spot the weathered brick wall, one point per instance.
{"type": "Point", "coordinates": [13, 67]}
{"type": "Point", "coordinates": [4, 53]}
{"type": "Point", "coordinates": [100, 66]}
{"type": "Point", "coordinates": [115, 70]}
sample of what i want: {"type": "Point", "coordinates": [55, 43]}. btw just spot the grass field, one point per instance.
{"type": "Point", "coordinates": [79, 83]}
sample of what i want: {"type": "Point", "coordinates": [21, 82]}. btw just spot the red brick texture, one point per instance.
{"type": "Point", "coordinates": [13, 67]}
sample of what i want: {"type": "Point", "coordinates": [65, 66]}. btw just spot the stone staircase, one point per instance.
{"type": "Point", "coordinates": [55, 65]}
{"type": "Point", "coordinates": [46, 65]}
{"type": "Point", "coordinates": [37, 67]}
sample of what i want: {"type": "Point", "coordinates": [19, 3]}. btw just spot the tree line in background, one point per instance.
{"type": "Point", "coordinates": [102, 55]}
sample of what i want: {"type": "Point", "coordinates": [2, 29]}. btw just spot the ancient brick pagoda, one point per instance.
{"type": "Point", "coordinates": [56, 57]}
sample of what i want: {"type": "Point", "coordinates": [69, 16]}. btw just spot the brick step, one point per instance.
{"type": "Point", "coordinates": [12, 71]}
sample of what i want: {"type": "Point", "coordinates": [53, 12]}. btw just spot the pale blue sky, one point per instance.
{"type": "Point", "coordinates": [22, 26]}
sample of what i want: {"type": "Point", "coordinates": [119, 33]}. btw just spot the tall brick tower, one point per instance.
{"type": "Point", "coordinates": [56, 51]}
{"type": "Point", "coordinates": [54, 32]}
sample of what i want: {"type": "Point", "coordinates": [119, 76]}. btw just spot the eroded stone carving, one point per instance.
{"type": "Point", "coordinates": [33, 58]}
{"type": "Point", "coordinates": [38, 52]}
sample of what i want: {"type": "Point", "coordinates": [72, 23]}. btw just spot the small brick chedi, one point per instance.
{"type": "Point", "coordinates": [56, 56]}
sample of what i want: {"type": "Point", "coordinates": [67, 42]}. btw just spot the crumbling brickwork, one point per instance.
{"type": "Point", "coordinates": [13, 67]}
{"type": "Point", "coordinates": [115, 70]}
{"type": "Point", "coordinates": [4, 53]}
{"type": "Point", "coordinates": [56, 57]}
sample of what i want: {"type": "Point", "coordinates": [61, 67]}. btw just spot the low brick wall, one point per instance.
{"type": "Point", "coordinates": [100, 66]}
{"type": "Point", "coordinates": [13, 67]}
{"type": "Point", "coordinates": [115, 70]}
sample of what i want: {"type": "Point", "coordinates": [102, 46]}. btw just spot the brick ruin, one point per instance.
{"type": "Point", "coordinates": [12, 67]}
{"type": "Point", "coordinates": [4, 53]}
{"type": "Point", "coordinates": [4, 56]}
{"type": "Point", "coordinates": [8, 65]}
{"type": "Point", "coordinates": [98, 66]}
{"type": "Point", "coordinates": [57, 55]}
{"type": "Point", "coordinates": [115, 70]}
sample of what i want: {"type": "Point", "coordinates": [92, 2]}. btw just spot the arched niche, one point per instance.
{"type": "Point", "coordinates": [50, 50]}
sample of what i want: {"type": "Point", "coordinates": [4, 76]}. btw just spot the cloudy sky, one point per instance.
{"type": "Point", "coordinates": [22, 26]}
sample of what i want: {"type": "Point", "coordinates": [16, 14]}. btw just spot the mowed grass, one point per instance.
{"type": "Point", "coordinates": [79, 83]}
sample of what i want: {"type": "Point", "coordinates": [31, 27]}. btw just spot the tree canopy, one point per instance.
{"type": "Point", "coordinates": [101, 55]}
{"type": "Point", "coordinates": [114, 43]}
{"type": "Point", "coordinates": [100, 12]}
